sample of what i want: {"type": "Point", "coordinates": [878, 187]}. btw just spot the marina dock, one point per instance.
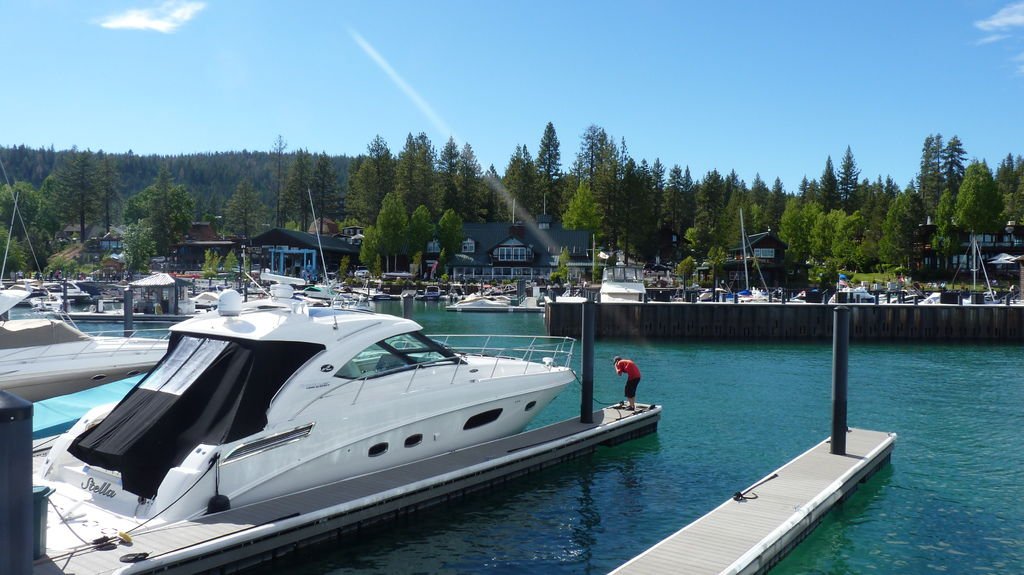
{"type": "Point", "coordinates": [247, 536]}
{"type": "Point", "coordinates": [793, 322]}
{"type": "Point", "coordinates": [754, 530]}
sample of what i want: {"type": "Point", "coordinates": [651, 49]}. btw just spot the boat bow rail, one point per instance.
{"type": "Point", "coordinates": [550, 350]}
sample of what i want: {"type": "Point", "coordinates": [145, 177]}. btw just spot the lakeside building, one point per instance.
{"type": "Point", "coordinates": [764, 257]}
{"type": "Point", "coordinates": [190, 253]}
{"type": "Point", "coordinates": [503, 251]}
{"type": "Point", "coordinates": [295, 253]}
{"type": "Point", "coordinates": [928, 261]}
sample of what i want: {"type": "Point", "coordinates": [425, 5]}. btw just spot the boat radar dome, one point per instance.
{"type": "Point", "coordinates": [229, 303]}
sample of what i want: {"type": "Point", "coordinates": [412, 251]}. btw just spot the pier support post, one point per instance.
{"type": "Point", "coordinates": [840, 363]}
{"type": "Point", "coordinates": [15, 484]}
{"type": "Point", "coordinates": [129, 311]}
{"type": "Point", "coordinates": [587, 379]}
{"type": "Point", "coordinates": [407, 304]}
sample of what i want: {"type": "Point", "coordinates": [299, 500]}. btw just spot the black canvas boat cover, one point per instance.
{"type": "Point", "coordinates": [204, 391]}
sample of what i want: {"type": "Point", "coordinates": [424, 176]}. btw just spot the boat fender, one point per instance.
{"type": "Point", "coordinates": [218, 503]}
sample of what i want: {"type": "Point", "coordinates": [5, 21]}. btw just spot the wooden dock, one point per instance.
{"type": "Point", "coordinates": [246, 536]}
{"type": "Point", "coordinates": [752, 533]}
{"type": "Point", "coordinates": [793, 322]}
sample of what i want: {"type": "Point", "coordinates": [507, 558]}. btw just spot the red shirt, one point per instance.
{"type": "Point", "coordinates": [628, 367]}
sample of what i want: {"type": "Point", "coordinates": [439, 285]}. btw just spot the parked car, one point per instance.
{"type": "Point", "coordinates": [362, 272]}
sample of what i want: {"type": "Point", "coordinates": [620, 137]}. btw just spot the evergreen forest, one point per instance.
{"type": "Point", "coordinates": [839, 220]}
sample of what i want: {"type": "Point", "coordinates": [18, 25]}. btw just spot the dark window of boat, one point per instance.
{"type": "Point", "coordinates": [379, 449]}
{"type": "Point", "coordinates": [530, 405]}
{"type": "Point", "coordinates": [481, 419]}
{"type": "Point", "coordinates": [396, 353]}
{"type": "Point", "coordinates": [414, 440]}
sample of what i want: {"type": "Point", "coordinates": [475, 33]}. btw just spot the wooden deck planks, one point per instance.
{"type": "Point", "coordinates": [751, 535]}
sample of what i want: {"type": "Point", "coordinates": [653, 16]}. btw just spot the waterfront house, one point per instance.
{"type": "Point", "coordinates": [508, 251]}
{"type": "Point", "coordinates": [190, 253]}
{"type": "Point", "coordinates": [297, 254]}
{"type": "Point", "coordinates": [764, 251]}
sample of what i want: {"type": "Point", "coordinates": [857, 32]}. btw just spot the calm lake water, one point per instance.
{"type": "Point", "coordinates": [733, 412]}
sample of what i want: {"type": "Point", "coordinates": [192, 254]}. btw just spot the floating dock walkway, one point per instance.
{"type": "Point", "coordinates": [247, 536]}
{"type": "Point", "coordinates": [754, 530]}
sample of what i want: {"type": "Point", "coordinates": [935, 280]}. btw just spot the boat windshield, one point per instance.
{"type": "Point", "coordinates": [622, 274]}
{"type": "Point", "coordinates": [395, 353]}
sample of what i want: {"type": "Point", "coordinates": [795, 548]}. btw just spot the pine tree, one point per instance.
{"type": "Point", "coordinates": [471, 203]}
{"type": "Point", "coordinates": [244, 211]}
{"type": "Point", "coordinates": [709, 194]}
{"type": "Point", "coordinates": [829, 188]}
{"type": "Point", "coordinates": [300, 182]}
{"type": "Point", "coordinates": [415, 175]}
{"type": "Point", "coordinates": [930, 180]}
{"type": "Point", "coordinates": [324, 191]}
{"type": "Point", "coordinates": [672, 201]}
{"type": "Point", "coordinates": [776, 204]}
{"type": "Point", "coordinates": [370, 180]}
{"type": "Point", "coordinates": [108, 188]}
{"type": "Point", "coordinates": [1008, 185]}
{"type": "Point", "coordinates": [448, 175]}
{"type": "Point", "coordinates": [953, 156]}
{"type": "Point", "coordinates": [847, 183]}
{"type": "Point", "coordinates": [78, 200]}
{"type": "Point", "coordinates": [549, 170]}
{"type": "Point", "coordinates": [279, 147]}
{"type": "Point", "coordinates": [519, 184]}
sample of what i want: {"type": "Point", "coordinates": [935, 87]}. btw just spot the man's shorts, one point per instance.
{"type": "Point", "coordinates": [631, 386]}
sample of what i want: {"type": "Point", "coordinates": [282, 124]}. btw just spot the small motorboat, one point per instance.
{"type": "Point", "coordinates": [623, 284]}
{"type": "Point", "coordinates": [477, 302]}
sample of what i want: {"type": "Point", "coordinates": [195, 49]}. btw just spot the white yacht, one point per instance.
{"type": "Point", "coordinates": [852, 294]}
{"type": "Point", "coordinates": [44, 358]}
{"type": "Point", "coordinates": [479, 302]}
{"type": "Point", "coordinates": [622, 284]}
{"type": "Point", "coordinates": [266, 398]}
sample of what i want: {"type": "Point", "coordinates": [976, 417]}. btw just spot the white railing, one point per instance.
{"type": "Point", "coordinates": [525, 347]}
{"type": "Point", "coordinates": [528, 351]}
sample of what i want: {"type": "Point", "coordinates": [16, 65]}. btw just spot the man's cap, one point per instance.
{"type": "Point", "coordinates": [617, 359]}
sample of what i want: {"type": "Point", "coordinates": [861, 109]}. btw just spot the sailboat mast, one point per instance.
{"type": "Point", "coordinates": [743, 241]}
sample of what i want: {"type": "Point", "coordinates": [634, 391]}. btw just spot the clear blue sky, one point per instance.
{"type": "Point", "coordinates": [759, 87]}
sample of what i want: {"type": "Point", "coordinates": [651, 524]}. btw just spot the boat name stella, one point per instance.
{"type": "Point", "coordinates": [104, 489]}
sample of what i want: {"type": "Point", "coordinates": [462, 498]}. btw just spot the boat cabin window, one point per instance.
{"type": "Point", "coordinates": [395, 353]}
{"type": "Point", "coordinates": [622, 274]}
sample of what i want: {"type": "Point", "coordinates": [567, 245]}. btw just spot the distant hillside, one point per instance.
{"type": "Point", "coordinates": [211, 178]}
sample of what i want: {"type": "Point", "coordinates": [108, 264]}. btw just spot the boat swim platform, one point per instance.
{"type": "Point", "coordinates": [248, 536]}
{"type": "Point", "coordinates": [753, 531]}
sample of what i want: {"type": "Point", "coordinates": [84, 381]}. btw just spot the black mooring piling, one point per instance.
{"type": "Point", "coordinates": [840, 363]}
{"type": "Point", "coordinates": [587, 377]}
{"type": "Point", "coordinates": [129, 310]}
{"type": "Point", "coordinates": [15, 484]}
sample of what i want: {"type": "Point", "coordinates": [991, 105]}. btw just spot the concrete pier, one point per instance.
{"type": "Point", "coordinates": [756, 528]}
{"type": "Point", "coordinates": [796, 322]}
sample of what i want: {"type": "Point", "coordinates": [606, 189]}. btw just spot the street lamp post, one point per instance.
{"type": "Point", "coordinates": [1020, 260]}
